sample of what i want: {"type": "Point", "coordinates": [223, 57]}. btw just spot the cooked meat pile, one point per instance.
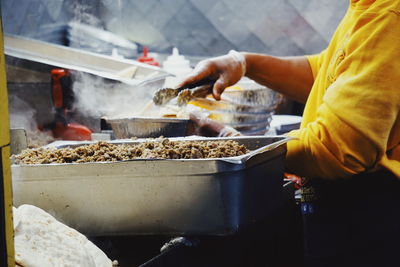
{"type": "Point", "coordinates": [159, 149]}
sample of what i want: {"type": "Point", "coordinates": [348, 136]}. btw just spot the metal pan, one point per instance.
{"type": "Point", "coordinates": [143, 127]}
{"type": "Point", "coordinates": [171, 197]}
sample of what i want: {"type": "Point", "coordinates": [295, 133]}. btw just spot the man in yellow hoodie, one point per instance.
{"type": "Point", "coordinates": [349, 141]}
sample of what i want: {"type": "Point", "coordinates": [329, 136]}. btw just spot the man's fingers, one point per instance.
{"type": "Point", "coordinates": [201, 72]}
{"type": "Point", "coordinates": [219, 87]}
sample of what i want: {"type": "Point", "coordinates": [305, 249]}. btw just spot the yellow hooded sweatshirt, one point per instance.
{"type": "Point", "coordinates": [351, 121]}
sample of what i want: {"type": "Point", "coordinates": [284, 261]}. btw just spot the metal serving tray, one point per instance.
{"type": "Point", "coordinates": [127, 71]}
{"type": "Point", "coordinates": [171, 197]}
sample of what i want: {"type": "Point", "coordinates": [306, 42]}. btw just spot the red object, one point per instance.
{"type": "Point", "coordinates": [146, 59]}
{"type": "Point", "coordinates": [56, 76]}
{"type": "Point", "coordinates": [298, 181]}
{"type": "Point", "coordinates": [62, 92]}
{"type": "Point", "coordinates": [71, 131]}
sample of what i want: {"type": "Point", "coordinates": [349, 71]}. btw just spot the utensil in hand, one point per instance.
{"type": "Point", "coordinates": [188, 94]}
{"type": "Point", "coordinates": [163, 95]}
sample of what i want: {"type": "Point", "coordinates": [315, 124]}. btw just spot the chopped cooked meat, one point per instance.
{"type": "Point", "coordinates": [159, 149]}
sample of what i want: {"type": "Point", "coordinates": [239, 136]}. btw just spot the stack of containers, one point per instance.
{"type": "Point", "coordinates": [246, 106]}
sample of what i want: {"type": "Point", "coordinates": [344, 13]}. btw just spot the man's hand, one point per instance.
{"type": "Point", "coordinates": [204, 126]}
{"type": "Point", "coordinates": [223, 70]}
{"type": "Point", "coordinates": [270, 71]}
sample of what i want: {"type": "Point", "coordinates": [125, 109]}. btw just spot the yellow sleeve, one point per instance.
{"type": "Point", "coordinates": [359, 109]}
{"type": "Point", "coordinates": [315, 62]}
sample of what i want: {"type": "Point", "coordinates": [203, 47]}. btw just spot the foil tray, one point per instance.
{"type": "Point", "coordinates": [160, 197]}
{"type": "Point", "coordinates": [143, 127]}
{"type": "Point", "coordinates": [253, 97]}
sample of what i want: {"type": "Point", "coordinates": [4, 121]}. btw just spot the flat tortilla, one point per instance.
{"type": "Point", "coordinates": [42, 241]}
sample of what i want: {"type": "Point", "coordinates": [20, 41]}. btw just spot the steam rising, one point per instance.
{"type": "Point", "coordinates": [96, 97]}
{"type": "Point", "coordinates": [22, 115]}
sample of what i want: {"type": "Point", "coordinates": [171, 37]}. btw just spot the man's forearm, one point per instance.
{"type": "Point", "coordinates": [291, 76]}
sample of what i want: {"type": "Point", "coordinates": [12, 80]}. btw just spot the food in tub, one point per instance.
{"type": "Point", "coordinates": [161, 148]}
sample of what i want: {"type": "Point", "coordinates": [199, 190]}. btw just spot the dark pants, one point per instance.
{"type": "Point", "coordinates": [354, 222]}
